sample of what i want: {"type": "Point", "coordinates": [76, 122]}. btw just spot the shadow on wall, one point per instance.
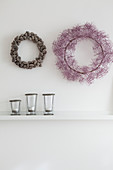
{"type": "Point", "coordinates": [6, 48]}
{"type": "Point", "coordinates": [111, 98]}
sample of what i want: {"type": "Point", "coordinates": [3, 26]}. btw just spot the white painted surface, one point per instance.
{"type": "Point", "coordinates": [58, 145]}
{"type": "Point", "coordinates": [48, 145]}
{"type": "Point", "coordinates": [59, 115]}
{"type": "Point", "coordinates": [47, 19]}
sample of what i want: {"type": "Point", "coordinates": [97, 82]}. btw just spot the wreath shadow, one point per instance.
{"type": "Point", "coordinates": [6, 46]}
{"type": "Point", "coordinates": [111, 99]}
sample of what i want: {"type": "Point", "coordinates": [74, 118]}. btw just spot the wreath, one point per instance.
{"type": "Point", "coordinates": [35, 39]}
{"type": "Point", "coordinates": [65, 45]}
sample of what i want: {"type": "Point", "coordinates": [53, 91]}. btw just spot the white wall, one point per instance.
{"type": "Point", "coordinates": [48, 145]}
{"type": "Point", "coordinates": [53, 145]}
{"type": "Point", "coordinates": [47, 19]}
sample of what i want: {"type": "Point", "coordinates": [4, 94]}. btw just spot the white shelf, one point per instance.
{"type": "Point", "coordinates": [60, 115]}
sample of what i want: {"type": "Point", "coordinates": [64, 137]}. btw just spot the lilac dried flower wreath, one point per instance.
{"type": "Point", "coordinates": [65, 45]}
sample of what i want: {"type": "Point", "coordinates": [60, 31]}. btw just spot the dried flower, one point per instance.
{"type": "Point", "coordinates": [65, 45]}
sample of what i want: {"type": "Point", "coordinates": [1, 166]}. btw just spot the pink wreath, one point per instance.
{"type": "Point", "coordinates": [66, 45]}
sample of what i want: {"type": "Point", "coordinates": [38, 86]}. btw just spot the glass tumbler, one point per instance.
{"type": "Point", "coordinates": [15, 107]}
{"type": "Point", "coordinates": [48, 103]}
{"type": "Point", "coordinates": [31, 100]}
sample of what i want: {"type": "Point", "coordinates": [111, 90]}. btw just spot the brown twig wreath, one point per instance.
{"type": "Point", "coordinates": [37, 62]}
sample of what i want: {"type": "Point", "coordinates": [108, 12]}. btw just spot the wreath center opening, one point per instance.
{"type": "Point", "coordinates": [81, 52]}
{"type": "Point", "coordinates": [28, 50]}
{"type": "Point", "coordinates": [84, 53]}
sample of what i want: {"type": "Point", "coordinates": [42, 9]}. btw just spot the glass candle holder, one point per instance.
{"type": "Point", "coordinates": [15, 107]}
{"type": "Point", "coordinates": [31, 100]}
{"type": "Point", "coordinates": [48, 103]}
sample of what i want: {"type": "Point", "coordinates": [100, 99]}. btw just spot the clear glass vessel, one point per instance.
{"type": "Point", "coordinates": [48, 103]}
{"type": "Point", "coordinates": [15, 107]}
{"type": "Point", "coordinates": [31, 100]}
